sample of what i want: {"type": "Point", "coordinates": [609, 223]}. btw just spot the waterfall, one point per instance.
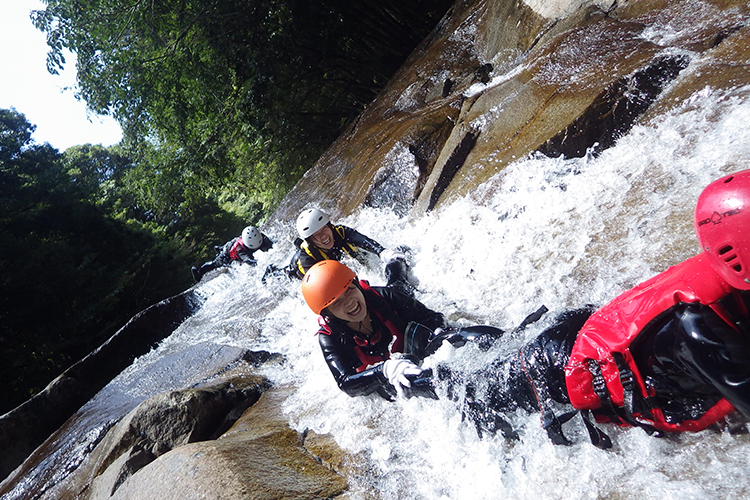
{"type": "Point", "coordinates": [546, 231]}
{"type": "Point", "coordinates": [556, 232]}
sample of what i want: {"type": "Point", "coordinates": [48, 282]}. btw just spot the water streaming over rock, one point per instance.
{"type": "Point", "coordinates": [557, 232]}
{"type": "Point", "coordinates": [544, 231]}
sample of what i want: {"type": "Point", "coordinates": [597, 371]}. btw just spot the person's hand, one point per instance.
{"type": "Point", "coordinates": [396, 370]}
{"type": "Point", "coordinates": [389, 255]}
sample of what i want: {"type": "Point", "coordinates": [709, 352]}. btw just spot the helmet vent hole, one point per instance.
{"type": "Point", "coordinates": [730, 257]}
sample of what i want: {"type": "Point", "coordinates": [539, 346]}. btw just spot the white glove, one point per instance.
{"type": "Point", "coordinates": [396, 370]}
{"type": "Point", "coordinates": [389, 255]}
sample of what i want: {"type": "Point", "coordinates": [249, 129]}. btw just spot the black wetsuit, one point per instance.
{"type": "Point", "coordinates": [340, 343]}
{"type": "Point", "coordinates": [232, 250]}
{"type": "Point", "coordinates": [688, 356]}
{"type": "Point", "coordinates": [691, 358]}
{"type": "Point", "coordinates": [533, 379]}
{"type": "Point", "coordinates": [345, 240]}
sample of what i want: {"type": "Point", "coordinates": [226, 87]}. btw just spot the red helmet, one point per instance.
{"type": "Point", "coordinates": [722, 223]}
{"type": "Point", "coordinates": [324, 283]}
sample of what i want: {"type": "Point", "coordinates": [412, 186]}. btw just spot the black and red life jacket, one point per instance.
{"type": "Point", "coordinates": [339, 244]}
{"type": "Point", "coordinates": [237, 246]}
{"type": "Point", "coordinates": [601, 373]}
{"type": "Point", "coordinates": [387, 316]}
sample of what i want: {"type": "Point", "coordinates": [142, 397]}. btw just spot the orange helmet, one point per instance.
{"type": "Point", "coordinates": [722, 223]}
{"type": "Point", "coordinates": [324, 283]}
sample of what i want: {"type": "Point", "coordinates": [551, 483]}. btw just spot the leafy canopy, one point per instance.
{"type": "Point", "coordinates": [244, 95]}
{"type": "Point", "coordinates": [77, 260]}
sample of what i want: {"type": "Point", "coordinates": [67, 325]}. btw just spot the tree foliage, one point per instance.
{"type": "Point", "coordinates": [224, 104]}
{"type": "Point", "coordinates": [72, 270]}
{"type": "Point", "coordinates": [244, 94]}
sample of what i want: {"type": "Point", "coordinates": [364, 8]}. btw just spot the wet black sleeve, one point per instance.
{"type": "Point", "coordinates": [343, 363]}
{"type": "Point", "coordinates": [410, 309]}
{"type": "Point", "coordinates": [246, 255]}
{"type": "Point", "coordinates": [707, 350]}
{"type": "Point", "coordinates": [361, 241]}
{"type": "Point", "coordinates": [266, 244]}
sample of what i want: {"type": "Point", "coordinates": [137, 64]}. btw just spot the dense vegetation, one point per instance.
{"type": "Point", "coordinates": [224, 104]}
{"type": "Point", "coordinates": [239, 97]}
{"type": "Point", "coordinates": [76, 261]}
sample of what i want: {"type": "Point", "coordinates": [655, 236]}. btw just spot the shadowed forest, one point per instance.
{"type": "Point", "coordinates": [224, 104]}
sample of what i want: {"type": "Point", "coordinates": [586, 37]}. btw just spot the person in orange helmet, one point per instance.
{"type": "Point", "coordinates": [669, 355]}
{"type": "Point", "coordinates": [374, 338]}
{"type": "Point", "coordinates": [364, 330]}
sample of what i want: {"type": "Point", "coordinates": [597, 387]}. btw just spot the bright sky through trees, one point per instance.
{"type": "Point", "coordinates": [47, 100]}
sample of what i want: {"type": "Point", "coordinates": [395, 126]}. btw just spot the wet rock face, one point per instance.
{"type": "Point", "coordinates": [28, 425]}
{"type": "Point", "coordinates": [497, 81]}
{"type": "Point", "coordinates": [614, 111]}
{"type": "Point", "coordinates": [167, 449]}
{"type": "Point", "coordinates": [226, 440]}
{"type": "Point", "coordinates": [155, 427]}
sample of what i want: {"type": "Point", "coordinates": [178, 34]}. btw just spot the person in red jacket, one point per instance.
{"type": "Point", "coordinates": [670, 355]}
{"type": "Point", "coordinates": [240, 249]}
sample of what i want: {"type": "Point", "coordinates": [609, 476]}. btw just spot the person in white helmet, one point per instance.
{"type": "Point", "coordinates": [240, 249]}
{"type": "Point", "coordinates": [320, 239]}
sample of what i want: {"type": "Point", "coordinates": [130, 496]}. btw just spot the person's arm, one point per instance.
{"type": "Point", "coordinates": [710, 350]}
{"type": "Point", "coordinates": [410, 309]}
{"type": "Point", "coordinates": [266, 244]}
{"type": "Point", "coordinates": [343, 366]}
{"type": "Point", "coordinates": [359, 240]}
{"type": "Point", "coordinates": [246, 255]}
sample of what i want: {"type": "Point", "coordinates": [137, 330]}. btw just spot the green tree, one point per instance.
{"type": "Point", "coordinates": [70, 274]}
{"type": "Point", "coordinates": [247, 94]}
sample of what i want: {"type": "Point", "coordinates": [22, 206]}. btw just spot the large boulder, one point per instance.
{"type": "Point", "coordinates": [260, 456]}
{"type": "Point", "coordinates": [497, 81]}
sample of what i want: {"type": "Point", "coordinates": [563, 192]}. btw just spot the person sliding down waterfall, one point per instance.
{"type": "Point", "coordinates": [670, 355]}
{"type": "Point", "coordinates": [373, 338]}
{"type": "Point", "coordinates": [240, 249]}
{"type": "Point", "coordinates": [320, 240]}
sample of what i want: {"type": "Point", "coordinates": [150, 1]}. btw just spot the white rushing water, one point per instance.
{"type": "Point", "coordinates": [562, 233]}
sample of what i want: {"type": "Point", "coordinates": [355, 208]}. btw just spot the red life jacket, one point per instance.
{"type": "Point", "coordinates": [396, 345]}
{"type": "Point", "coordinates": [610, 331]}
{"type": "Point", "coordinates": [236, 247]}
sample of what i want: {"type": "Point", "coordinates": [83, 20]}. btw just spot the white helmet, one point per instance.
{"type": "Point", "coordinates": [310, 221]}
{"type": "Point", "coordinates": [252, 238]}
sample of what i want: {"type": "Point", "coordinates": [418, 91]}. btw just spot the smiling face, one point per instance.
{"type": "Point", "coordinates": [350, 306]}
{"type": "Point", "coordinates": [323, 238]}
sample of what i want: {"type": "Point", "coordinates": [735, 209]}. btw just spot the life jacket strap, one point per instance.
{"type": "Point", "coordinates": [596, 435]}
{"type": "Point", "coordinates": [631, 395]}
{"type": "Point", "coordinates": [601, 391]}
{"type": "Point", "coordinates": [347, 247]}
